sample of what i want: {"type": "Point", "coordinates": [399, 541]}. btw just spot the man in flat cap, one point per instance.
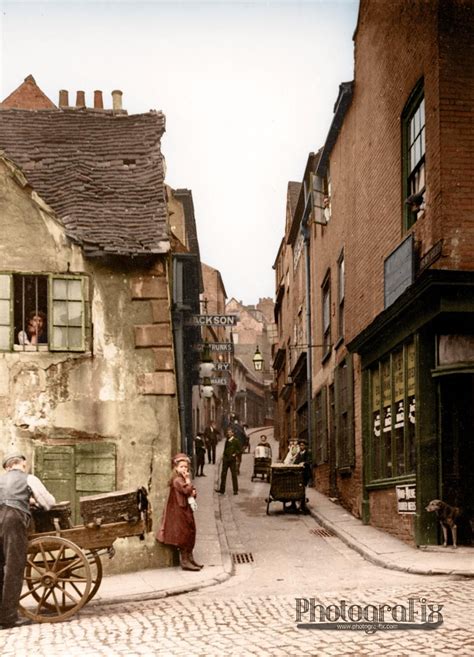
{"type": "Point", "coordinates": [18, 491]}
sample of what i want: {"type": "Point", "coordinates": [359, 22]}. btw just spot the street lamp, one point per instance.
{"type": "Point", "coordinates": [257, 360]}
{"type": "Point", "coordinates": [206, 366]}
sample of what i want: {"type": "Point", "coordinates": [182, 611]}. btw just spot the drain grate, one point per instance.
{"type": "Point", "coordinates": [320, 531]}
{"type": "Point", "coordinates": [244, 557]}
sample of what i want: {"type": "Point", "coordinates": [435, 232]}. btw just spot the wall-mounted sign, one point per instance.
{"type": "Point", "coordinates": [216, 347]}
{"type": "Point", "coordinates": [213, 320]}
{"type": "Point", "coordinates": [218, 380]}
{"type": "Point", "coordinates": [222, 367]}
{"type": "Point", "coordinates": [399, 271]}
{"type": "Point", "coordinates": [406, 498]}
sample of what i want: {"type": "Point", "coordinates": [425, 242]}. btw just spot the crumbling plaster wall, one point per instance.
{"type": "Point", "coordinates": [64, 398]}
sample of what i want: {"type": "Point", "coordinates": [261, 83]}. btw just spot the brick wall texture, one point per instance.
{"type": "Point", "coordinates": [397, 44]}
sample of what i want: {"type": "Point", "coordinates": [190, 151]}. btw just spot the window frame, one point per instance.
{"type": "Point", "coordinates": [341, 277]}
{"type": "Point", "coordinates": [413, 105]}
{"type": "Point", "coordinates": [48, 347]}
{"type": "Point", "coordinates": [326, 328]}
{"type": "Point", "coordinates": [384, 455]}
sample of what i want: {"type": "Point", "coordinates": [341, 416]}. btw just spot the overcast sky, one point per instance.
{"type": "Point", "coordinates": [248, 90]}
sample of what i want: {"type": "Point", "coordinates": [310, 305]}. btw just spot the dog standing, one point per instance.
{"type": "Point", "coordinates": [448, 516]}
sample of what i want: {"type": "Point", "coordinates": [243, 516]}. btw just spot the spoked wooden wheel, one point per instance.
{"type": "Point", "coordinates": [58, 580]}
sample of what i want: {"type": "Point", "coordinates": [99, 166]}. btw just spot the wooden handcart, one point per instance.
{"type": "Point", "coordinates": [64, 569]}
{"type": "Point", "coordinates": [286, 486]}
{"type": "Point", "coordinates": [262, 462]}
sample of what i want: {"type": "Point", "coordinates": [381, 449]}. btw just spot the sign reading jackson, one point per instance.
{"type": "Point", "coordinates": [213, 320]}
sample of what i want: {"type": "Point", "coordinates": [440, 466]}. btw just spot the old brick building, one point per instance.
{"type": "Point", "coordinates": [389, 213]}
{"type": "Point", "coordinates": [85, 244]}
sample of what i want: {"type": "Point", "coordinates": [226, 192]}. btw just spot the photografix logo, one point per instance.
{"type": "Point", "coordinates": [418, 614]}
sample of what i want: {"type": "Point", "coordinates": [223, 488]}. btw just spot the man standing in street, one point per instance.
{"type": "Point", "coordinates": [305, 459]}
{"type": "Point", "coordinates": [211, 437]}
{"type": "Point", "coordinates": [18, 490]}
{"type": "Point", "coordinates": [232, 450]}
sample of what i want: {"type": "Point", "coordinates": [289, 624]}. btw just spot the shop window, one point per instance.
{"type": "Point", "coordinates": [392, 397]}
{"type": "Point", "coordinates": [72, 471]}
{"type": "Point", "coordinates": [320, 426]}
{"type": "Point", "coordinates": [43, 312]}
{"type": "Point", "coordinates": [414, 184]}
{"type": "Point", "coordinates": [344, 392]}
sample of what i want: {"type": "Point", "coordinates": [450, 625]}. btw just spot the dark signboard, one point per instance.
{"type": "Point", "coordinates": [398, 271]}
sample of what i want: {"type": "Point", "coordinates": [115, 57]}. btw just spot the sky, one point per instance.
{"type": "Point", "coordinates": [247, 88]}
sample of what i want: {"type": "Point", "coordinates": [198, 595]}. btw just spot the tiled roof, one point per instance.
{"type": "Point", "coordinates": [102, 173]}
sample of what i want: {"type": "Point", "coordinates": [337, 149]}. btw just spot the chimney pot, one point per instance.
{"type": "Point", "coordinates": [80, 99]}
{"type": "Point", "coordinates": [117, 100]}
{"type": "Point", "coordinates": [63, 98]}
{"type": "Point", "coordinates": [98, 100]}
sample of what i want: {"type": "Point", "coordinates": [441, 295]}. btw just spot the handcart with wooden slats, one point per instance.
{"type": "Point", "coordinates": [64, 569]}
{"type": "Point", "coordinates": [286, 485]}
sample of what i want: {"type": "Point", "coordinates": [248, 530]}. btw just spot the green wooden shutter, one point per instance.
{"type": "Point", "coordinates": [55, 467]}
{"type": "Point", "coordinates": [5, 312]}
{"type": "Point", "coordinates": [350, 411]}
{"type": "Point", "coordinates": [95, 469]}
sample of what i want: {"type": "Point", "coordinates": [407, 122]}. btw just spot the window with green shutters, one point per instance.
{"type": "Point", "coordinates": [72, 471]}
{"type": "Point", "coordinates": [59, 302]}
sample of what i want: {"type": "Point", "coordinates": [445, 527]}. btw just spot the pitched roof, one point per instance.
{"type": "Point", "coordinates": [27, 96]}
{"type": "Point", "coordinates": [102, 173]}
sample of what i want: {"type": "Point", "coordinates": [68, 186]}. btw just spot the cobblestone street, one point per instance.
{"type": "Point", "coordinates": [206, 624]}
{"type": "Point", "coordinates": [254, 611]}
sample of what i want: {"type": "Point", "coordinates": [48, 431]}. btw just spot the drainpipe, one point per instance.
{"type": "Point", "coordinates": [305, 231]}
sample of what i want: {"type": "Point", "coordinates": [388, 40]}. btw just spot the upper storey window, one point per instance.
{"type": "Point", "coordinates": [44, 312]}
{"type": "Point", "coordinates": [414, 184]}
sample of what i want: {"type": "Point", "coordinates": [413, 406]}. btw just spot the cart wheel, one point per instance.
{"type": "Point", "coordinates": [58, 579]}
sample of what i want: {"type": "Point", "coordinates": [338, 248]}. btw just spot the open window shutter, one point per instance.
{"type": "Point", "coordinates": [350, 410]}
{"type": "Point", "coordinates": [66, 321]}
{"type": "Point", "coordinates": [55, 467]}
{"type": "Point", "coordinates": [5, 312]}
{"type": "Point", "coordinates": [95, 469]}
{"type": "Point", "coordinates": [324, 424]}
{"type": "Point", "coordinates": [318, 200]}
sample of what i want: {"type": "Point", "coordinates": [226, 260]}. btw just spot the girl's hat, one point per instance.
{"type": "Point", "coordinates": [180, 457]}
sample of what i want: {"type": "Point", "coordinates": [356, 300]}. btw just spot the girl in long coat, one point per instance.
{"type": "Point", "coordinates": [178, 527]}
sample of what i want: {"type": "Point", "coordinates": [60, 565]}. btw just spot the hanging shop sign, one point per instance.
{"type": "Point", "coordinates": [213, 320]}
{"type": "Point", "coordinates": [217, 380]}
{"type": "Point", "coordinates": [216, 347]}
{"type": "Point", "coordinates": [406, 498]}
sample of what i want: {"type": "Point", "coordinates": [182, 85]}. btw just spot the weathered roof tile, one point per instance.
{"type": "Point", "coordinates": [74, 159]}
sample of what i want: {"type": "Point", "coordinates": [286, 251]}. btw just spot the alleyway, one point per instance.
{"type": "Point", "coordinates": [253, 612]}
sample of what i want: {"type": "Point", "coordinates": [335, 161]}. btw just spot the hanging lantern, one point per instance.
{"type": "Point", "coordinates": [257, 360]}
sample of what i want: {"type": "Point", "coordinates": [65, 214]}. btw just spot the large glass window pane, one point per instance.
{"type": "Point", "coordinates": [74, 312]}
{"type": "Point", "coordinates": [59, 289]}
{"type": "Point", "coordinates": [75, 338]}
{"type": "Point", "coordinates": [60, 337]}
{"type": "Point", "coordinates": [74, 290]}
{"type": "Point", "coordinates": [60, 313]}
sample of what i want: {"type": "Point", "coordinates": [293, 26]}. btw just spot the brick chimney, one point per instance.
{"type": "Point", "coordinates": [64, 98]}
{"type": "Point", "coordinates": [117, 100]}
{"type": "Point", "coordinates": [80, 99]}
{"type": "Point", "coordinates": [98, 100]}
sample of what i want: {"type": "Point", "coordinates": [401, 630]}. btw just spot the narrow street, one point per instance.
{"type": "Point", "coordinates": [254, 612]}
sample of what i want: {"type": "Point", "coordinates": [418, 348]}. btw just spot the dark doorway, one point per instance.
{"type": "Point", "coordinates": [457, 440]}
